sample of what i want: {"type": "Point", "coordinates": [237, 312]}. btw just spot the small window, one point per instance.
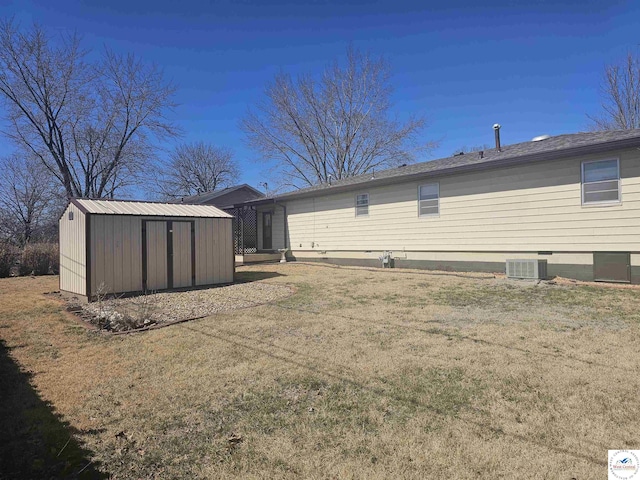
{"type": "Point", "coordinates": [601, 182]}
{"type": "Point", "coordinates": [362, 205]}
{"type": "Point", "coordinates": [70, 214]}
{"type": "Point", "coordinates": [429, 199]}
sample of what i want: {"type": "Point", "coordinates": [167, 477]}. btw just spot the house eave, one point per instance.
{"type": "Point", "coordinates": [490, 165]}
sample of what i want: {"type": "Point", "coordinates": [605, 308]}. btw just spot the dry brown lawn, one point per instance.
{"type": "Point", "coordinates": [360, 374]}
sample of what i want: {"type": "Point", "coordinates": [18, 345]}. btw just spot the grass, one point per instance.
{"type": "Point", "coordinates": [360, 374]}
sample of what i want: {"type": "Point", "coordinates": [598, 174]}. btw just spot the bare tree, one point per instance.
{"type": "Point", "coordinates": [30, 202]}
{"type": "Point", "coordinates": [197, 168]}
{"type": "Point", "coordinates": [93, 126]}
{"type": "Point", "coordinates": [338, 126]}
{"type": "Point", "coordinates": [620, 90]}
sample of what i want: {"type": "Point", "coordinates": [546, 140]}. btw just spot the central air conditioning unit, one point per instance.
{"type": "Point", "coordinates": [528, 268]}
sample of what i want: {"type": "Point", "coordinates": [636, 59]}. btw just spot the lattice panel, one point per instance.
{"type": "Point", "coordinates": [245, 230]}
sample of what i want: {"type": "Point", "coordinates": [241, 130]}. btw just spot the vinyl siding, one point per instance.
{"type": "Point", "coordinates": [73, 267]}
{"type": "Point", "coordinates": [278, 228]}
{"type": "Point", "coordinates": [528, 208]}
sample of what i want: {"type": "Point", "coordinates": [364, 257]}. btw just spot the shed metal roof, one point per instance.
{"type": "Point", "coordinates": [147, 209]}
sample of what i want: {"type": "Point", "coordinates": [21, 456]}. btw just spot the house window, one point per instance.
{"type": "Point", "coordinates": [601, 182]}
{"type": "Point", "coordinates": [429, 199]}
{"type": "Point", "coordinates": [362, 205]}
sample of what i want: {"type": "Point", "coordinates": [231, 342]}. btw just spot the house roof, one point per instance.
{"type": "Point", "coordinates": [551, 148]}
{"type": "Point", "coordinates": [207, 197]}
{"type": "Point", "coordinates": [148, 209]}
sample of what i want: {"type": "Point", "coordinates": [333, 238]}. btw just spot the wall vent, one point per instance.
{"type": "Point", "coordinates": [529, 268]}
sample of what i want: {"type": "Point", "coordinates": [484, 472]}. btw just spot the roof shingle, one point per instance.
{"type": "Point", "coordinates": [553, 147]}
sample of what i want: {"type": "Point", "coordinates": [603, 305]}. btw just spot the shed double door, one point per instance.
{"type": "Point", "coordinates": [169, 255]}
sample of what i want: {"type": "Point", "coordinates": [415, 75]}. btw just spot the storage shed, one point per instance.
{"type": "Point", "coordinates": [114, 246]}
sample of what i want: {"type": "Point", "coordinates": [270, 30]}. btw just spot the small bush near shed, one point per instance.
{"type": "Point", "coordinates": [54, 254]}
{"type": "Point", "coordinates": [39, 259]}
{"type": "Point", "coordinates": [8, 256]}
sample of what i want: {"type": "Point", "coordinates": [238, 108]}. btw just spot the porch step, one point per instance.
{"type": "Point", "coordinates": [257, 258]}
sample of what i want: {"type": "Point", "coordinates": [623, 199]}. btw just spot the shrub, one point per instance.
{"type": "Point", "coordinates": [8, 257]}
{"type": "Point", "coordinates": [55, 258]}
{"type": "Point", "coordinates": [39, 259]}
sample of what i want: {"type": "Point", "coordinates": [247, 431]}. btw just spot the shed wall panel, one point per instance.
{"type": "Point", "coordinates": [109, 237]}
{"type": "Point", "coordinates": [135, 250]}
{"type": "Point", "coordinates": [204, 261]}
{"type": "Point", "coordinates": [116, 254]}
{"type": "Point", "coordinates": [214, 251]}
{"type": "Point", "coordinates": [224, 259]}
{"type": "Point", "coordinates": [181, 254]}
{"type": "Point", "coordinates": [214, 261]}
{"type": "Point", "coordinates": [208, 274]}
{"type": "Point", "coordinates": [226, 253]}
{"type": "Point", "coordinates": [156, 256]}
{"type": "Point", "coordinates": [73, 266]}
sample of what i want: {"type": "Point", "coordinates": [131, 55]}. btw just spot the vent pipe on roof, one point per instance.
{"type": "Point", "coordinates": [496, 129]}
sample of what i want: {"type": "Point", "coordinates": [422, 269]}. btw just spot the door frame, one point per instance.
{"type": "Point", "coordinates": [264, 214]}
{"type": "Point", "coordinates": [169, 225]}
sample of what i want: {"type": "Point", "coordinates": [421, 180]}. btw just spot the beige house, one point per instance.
{"type": "Point", "coordinates": [572, 200]}
{"type": "Point", "coordinates": [110, 246]}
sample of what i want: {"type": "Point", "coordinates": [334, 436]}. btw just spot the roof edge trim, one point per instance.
{"type": "Point", "coordinates": [497, 163]}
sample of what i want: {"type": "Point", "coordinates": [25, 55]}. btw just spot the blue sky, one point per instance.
{"type": "Point", "coordinates": [534, 67]}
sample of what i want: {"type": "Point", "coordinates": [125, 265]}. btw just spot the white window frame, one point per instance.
{"type": "Point", "coordinates": [583, 183]}
{"type": "Point", "coordinates": [428, 215]}
{"type": "Point", "coordinates": [368, 204]}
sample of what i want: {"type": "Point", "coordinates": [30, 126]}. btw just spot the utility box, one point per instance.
{"type": "Point", "coordinates": [612, 267]}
